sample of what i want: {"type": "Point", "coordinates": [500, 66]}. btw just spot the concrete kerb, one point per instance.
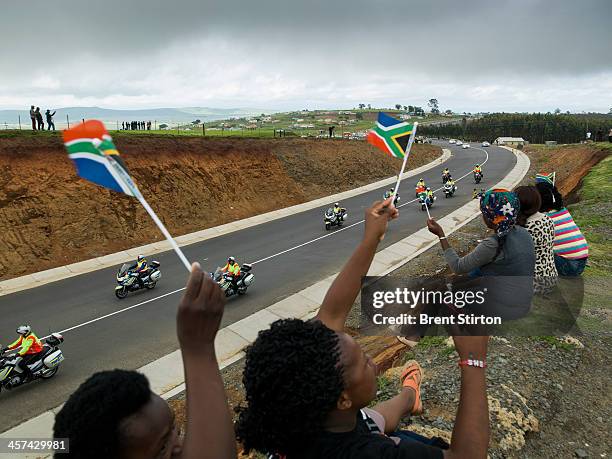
{"type": "Point", "coordinates": [82, 267]}
{"type": "Point", "coordinates": [167, 372]}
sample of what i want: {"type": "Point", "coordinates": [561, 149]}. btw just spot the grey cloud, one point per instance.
{"type": "Point", "coordinates": [354, 43]}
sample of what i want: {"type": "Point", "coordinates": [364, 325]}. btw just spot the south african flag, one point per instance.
{"type": "Point", "coordinates": [96, 158]}
{"type": "Point", "coordinates": [546, 178]}
{"type": "Point", "coordinates": [391, 135]}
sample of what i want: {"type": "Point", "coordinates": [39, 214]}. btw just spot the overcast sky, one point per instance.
{"type": "Point", "coordinates": [472, 55]}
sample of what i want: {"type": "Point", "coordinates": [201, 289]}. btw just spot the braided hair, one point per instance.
{"type": "Point", "coordinates": [293, 379]}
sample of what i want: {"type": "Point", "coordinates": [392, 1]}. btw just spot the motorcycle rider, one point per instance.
{"type": "Point", "coordinates": [337, 209]}
{"type": "Point", "coordinates": [450, 182]}
{"type": "Point", "coordinates": [477, 169]}
{"type": "Point", "coordinates": [421, 183]}
{"type": "Point", "coordinates": [30, 349]}
{"type": "Point", "coordinates": [389, 193]}
{"type": "Point", "coordinates": [141, 267]}
{"type": "Point", "coordinates": [430, 195]}
{"type": "Point", "coordinates": [232, 268]}
{"type": "Point", "coordinates": [445, 175]}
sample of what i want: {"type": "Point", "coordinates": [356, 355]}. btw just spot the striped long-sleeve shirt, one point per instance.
{"type": "Point", "coordinates": [569, 241]}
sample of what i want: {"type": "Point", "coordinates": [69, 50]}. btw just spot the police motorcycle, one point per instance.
{"type": "Point", "coordinates": [445, 177]}
{"type": "Point", "coordinates": [425, 201]}
{"type": "Point", "coordinates": [449, 190]}
{"type": "Point", "coordinates": [332, 218]}
{"type": "Point", "coordinates": [388, 194]}
{"type": "Point", "coordinates": [477, 177]}
{"type": "Point", "coordinates": [44, 367]}
{"type": "Point", "coordinates": [231, 286]}
{"type": "Point", "coordinates": [128, 279]}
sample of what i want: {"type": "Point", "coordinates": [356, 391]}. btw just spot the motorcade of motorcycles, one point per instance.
{"type": "Point", "coordinates": [477, 177]}
{"type": "Point", "coordinates": [44, 367]}
{"type": "Point", "coordinates": [128, 279]}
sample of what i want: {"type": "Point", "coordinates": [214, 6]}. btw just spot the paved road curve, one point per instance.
{"type": "Point", "coordinates": [146, 332]}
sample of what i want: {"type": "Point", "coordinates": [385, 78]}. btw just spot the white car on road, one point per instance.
{"type": "Point", "coordinates": [452, 141]}
{"type": "Point", "coordinates": [465, 145]}
{"type": "Point", "coordinates": [486, 144]}
{"type": "Point", "coordinates": [459, 142]}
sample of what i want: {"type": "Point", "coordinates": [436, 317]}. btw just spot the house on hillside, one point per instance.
{"type": "Point", "coordinates": [515, 142]}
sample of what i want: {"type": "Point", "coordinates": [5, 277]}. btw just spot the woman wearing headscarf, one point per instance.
{"type": "Point", "coordinates": [506, 259]}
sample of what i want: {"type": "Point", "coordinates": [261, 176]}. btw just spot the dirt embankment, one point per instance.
{"type": "Point", "coordinates": [570, 162]}
{"type": "Point", "coordinates": [49, 217]}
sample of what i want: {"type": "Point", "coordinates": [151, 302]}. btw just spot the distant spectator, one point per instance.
{"type": "Point", "coordinates": [610, 136]}
{"type": "Point", "coordinates": [571, 248]}
{"type": "Point", "coordinates": [599, 137]}
{"type": "Point", "coordinates": [33, 118]}
{"type": "Point", "coordinates": [39, 119]}
{"type": "Point", "coordinates": [542, 231]}
{"type": "Point", "coordinates": [49, 116]}
{"type": "Point", "coordinates": [309, 385]}
{"type": "Point", "coordinates": [123, 125]}
{"type": "Point", "coordinates": [114, 414]}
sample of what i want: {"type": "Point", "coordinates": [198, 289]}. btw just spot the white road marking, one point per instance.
{"type": "Point", "coordinates": [258, 261]}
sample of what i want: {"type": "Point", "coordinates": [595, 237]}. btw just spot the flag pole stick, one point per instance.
{"type": "Point", "coordinates": [164, 231]}
{"type": "Point", "coordinates": [410, 142]}
{"type": "Point", "coordinates": [129, 183]}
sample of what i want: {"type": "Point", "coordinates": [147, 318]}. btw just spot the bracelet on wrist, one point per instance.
{"type": "Point", "coordinates": [473, 363]}
{"type": "Point", "coordinates": [441, 237]}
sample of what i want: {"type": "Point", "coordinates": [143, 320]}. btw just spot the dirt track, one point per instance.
{"type": "Point", "coordinates": [49, 217]}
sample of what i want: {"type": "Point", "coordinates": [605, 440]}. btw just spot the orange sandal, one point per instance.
{"type": "Point", "coordinates": [412, 377]}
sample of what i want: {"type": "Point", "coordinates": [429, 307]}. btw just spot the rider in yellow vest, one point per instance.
{"type": "Point", "coordinates": [477, 169]}
{"type": "Point", "coordinates": [29, 347]}
{"type": "Point", "coordinates": [232, 268]}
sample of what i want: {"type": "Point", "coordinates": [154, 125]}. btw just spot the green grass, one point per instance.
{"type": "Point", "coordinates": [593, 215]}
{"type": "Point", "coordinates": [555, 342]}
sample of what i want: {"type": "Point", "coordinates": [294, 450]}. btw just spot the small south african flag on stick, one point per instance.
{"type": "Point", "coordinates": [391, 136]}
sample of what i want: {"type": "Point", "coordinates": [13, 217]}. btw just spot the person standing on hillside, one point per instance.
{"type": "Point", "coordinates": [610, 136]}
{"type": "Point", "coordinates": [33, 118]}
{"type": "Point", "coordinates": [50, 122]}
{"type": "Point", "coordinates": [39, 119]}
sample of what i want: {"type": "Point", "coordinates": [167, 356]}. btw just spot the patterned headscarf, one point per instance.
{"type": "Point", "coordinates": [500, 207]}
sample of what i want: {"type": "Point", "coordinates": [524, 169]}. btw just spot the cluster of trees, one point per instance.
{"type": "Point", "coordinates": [412, 109]}
{"type": "Point", "coordinates": [535, 128]}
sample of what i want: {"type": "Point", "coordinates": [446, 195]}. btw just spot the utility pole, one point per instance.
{"type": "Point", "coordinates": [19, 122]}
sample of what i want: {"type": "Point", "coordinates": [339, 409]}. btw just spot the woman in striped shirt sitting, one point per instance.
{"type": "Point", "coordinates": [571, 248]}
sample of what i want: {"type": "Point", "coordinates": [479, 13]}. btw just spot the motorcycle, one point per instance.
{"type": "Point", "coordinates": [449, 190]}
{"type": "Point", "coordinates": [128, 280]}
{"type": "Point", "coordinates": [44, 367]}
{"type": "Point", "coordinates": [445, 177]}
{"type": "Point", "coordinates": [231, 287]}
{"type": "Point", "coordinates": [332, 219]}
{"type": "Point", "coordinates": [425, 201]}
{"type": "Point", "coordinates": [418, 190]}
{"type": "Point", "coordinates": [477, 177]}
{"type": "Point", "coordinates": [387, 195]}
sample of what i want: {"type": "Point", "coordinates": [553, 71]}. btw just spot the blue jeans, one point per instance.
{"type": "Point", "coordinates": [569, 267]}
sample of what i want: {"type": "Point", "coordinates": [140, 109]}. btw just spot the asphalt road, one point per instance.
{"type": "Point", "coordinates": [146, 332]}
